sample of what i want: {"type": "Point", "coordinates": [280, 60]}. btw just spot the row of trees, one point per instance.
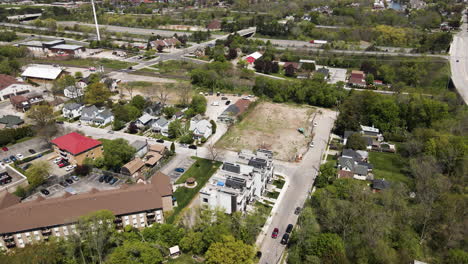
{"type": "Point", "coordinates": [11, 135]}
{"type": "Point", "coordinates": [216, 236]}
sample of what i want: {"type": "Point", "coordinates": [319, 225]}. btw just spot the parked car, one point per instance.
{"type": "Point", "coordinates": [297, 211]}
{"type": "Point", "coordinates": [114, 180]}
{"type": "Point", "coordinates": [6, 160]}
{"type": "Point", "coordinates": [13, 158]}
{"type": "Point", "coordinates": [275, 233]}
{"type": "Point", "coordinates": [75, 178]}
{"type": "Point", "coordinates": [45, 192]}
{"type": "Point", "coordinates": [228, 102]}
{"type": "Point", "coordinates": [25, 167]}
{"type": "Point", "coordinates": [59, 122]}
{"type": "Point", "coordinates": [32, 151]}
{"type": "Point", "coordinates": [61, 165]}
{"type": "Point", "coordinates": [109, 179]}
{"type": "Point", "coordinates": [285, 239]}
{"type": "Point", "coordinates": [311, 144]}
{"type": "Point", "coordinates": [179, 169]}
{"type": "Point", "coordinates": [69, 181]}
{"type": "Point", "coordinates": [289, 228]}
{"type": "Point", "coordinates": [315, 124]}
{"type": "Point", "coordinates": [224, 98]}
{"type": "Point", "coordinates": [192, 147]}
{"type": "Point", "coordinates": [160, 140]}
{"type": "Point", "coordinates": [110, 131]}
{"type": "Point", "coordinates": [101, 179]}
{"type": "Point", "coordinates": [64, 184]}
{"type": "Point", "coordinates": [57, 160]}
{"type": "Point", "coordinates": [5, 149]}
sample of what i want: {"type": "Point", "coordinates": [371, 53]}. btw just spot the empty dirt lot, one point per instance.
{"type": "Point", "coordinates": [272, 126]}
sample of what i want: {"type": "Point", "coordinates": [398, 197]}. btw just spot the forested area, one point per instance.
{"type": "Point", "coordinates": [212, 236]}
{"type": "Point", "coordinates": [9, 56]}
{"type": "Point", "coordinates": [344, 222]}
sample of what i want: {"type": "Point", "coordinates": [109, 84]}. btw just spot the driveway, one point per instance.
{"type": "Point", "coordinates": [7, 109]}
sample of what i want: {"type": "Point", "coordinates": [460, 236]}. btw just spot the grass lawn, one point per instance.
{"type": "Point", "coordinates": [279, 183]}
{"type": "Point", "coordinates": [175, 67]}
{"type": "Point", "coordinates": [389, 166]}
{"type": "Point", "coordinates": [113, 64]}
{"type": "Point", "coordinates": [201, 170]}
{"type": "Point", "coordinates": [273, 195]}
{"type": "Point", "coordinates": [182, 259]}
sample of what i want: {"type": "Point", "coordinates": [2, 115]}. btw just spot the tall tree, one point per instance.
{"type": "Point", "coordinates": [38, 172]}
{"type": "Point", "coordinates": [97, 94]}
{"type": "Point", "coordinates": [230, 251]}
{"type": "Point", "coordinates": [43, 115]}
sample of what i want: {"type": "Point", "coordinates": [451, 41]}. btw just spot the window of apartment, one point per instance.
{"type": "Point", "coordinates": [205, 200]}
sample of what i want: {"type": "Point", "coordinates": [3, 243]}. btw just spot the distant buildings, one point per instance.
{"type": "Point", "coordinates": [139, 205]}
{"type": "Point", "coordinates": [235, 185]}
{"type": "Point", "coordinates": [95, 116]}
{"type": "Point", "coordinates": [75, 148]}
{"type": "Point", "coordinates": [72, 110]}
{"type": "Point", "coordinates": [57, 47]}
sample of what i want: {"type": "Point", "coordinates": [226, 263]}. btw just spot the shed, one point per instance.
{"type": "Point", "coordinates": [174, 251]}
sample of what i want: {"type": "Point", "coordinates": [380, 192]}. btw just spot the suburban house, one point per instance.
{"type": "Point", "coordinates": [10, 86]}
{"type": "Point", "coordinates": [233, 111]}
{"type": "Point", "coordinates": [93, 115]}
{"type": "Point", "coordinates": [214, 25]}
{"type": "Point", "coordinates": [169, 43]}
{"type": "Point", "coordinates": [67, 49]}
{"type": "Point", "coordinates": [76, 148]}
{"type": "Point", "coordinates": [133, 167]}
{"type": "Point", "coordinates": [379, 185]}
{"type": "Point", "coordinates": [82, 83]}
{"type": "Point", "coordinates": [235, 185]}
{"type": "Point", "coordinates": [373, 138]}
{"type": "Point", "coordinates": [10, 121]}
{"type": "Point", "coordinates": [141, 148]}
{"type": "Point", "coordinates": [324, 71]}
{"type": "Point", "coordinates": [139, 205]}
{"type": "Point", "coordinates": [253, 57]}
{"type": "Point", "coordinates": [42, 74]}
{"type": "Point", "coordinates": [24, 102]}
{"type": "Point", "coordinates": [146, 120]}
{"type": "Point", "coordinates": [153, 158]}
{"type": "Point", "coordinates": [72, 92]}
{"type": "Point", "coordinates": [161, 126]}
{"type": "Point", "coordinates": [353, 164]}
{"type": "Point", "coordinates": [357, 79]}
{"type": "Point", "coordinates": [153, 109]}
{"type": "Point", "coordinates": [72, 110]}
{"type": "Point", "coordinates": [201, 128]}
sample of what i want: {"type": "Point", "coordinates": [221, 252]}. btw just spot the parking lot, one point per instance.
{"type": "Point", "coordinates": [179, 161]}
{"type": "Point", "coordinates": [7, 109]}
{"type": "Point", "coordinates": [213, 111]}
{"type": "Point", "coordinates": [337, 74]}
{"type": "Point", "coordinates": [36, 144]}
{"type": "Point", "coordinates": [83, 185]}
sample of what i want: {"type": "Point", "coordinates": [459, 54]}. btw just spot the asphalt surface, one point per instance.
{"type": "Point", "coordinates": [459, 60]}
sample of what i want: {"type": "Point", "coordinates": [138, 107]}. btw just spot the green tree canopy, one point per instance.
{"type": "Point", "coordinates": [356, 142]}
{"type": "Point", "coordinates": [230, 251]}
{"type": "Point", "coordinates": [117, 152]}
{"type": "Point", "coordinates": [135, 252]}
{"type": "Point", "coordinates": [97, 94]}
{"type": "Point", "coordinates": [38, 172]}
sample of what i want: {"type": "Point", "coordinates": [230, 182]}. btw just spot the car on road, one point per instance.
{"type": "Point", "coordinates": [13, 158]}
{"type": "Point", "coordinates": [114, 180]}
{"type": "Point", "coordinates": [110, 132]}
{"type": "Point", "coordinates": [69, 181]}
{"type": "Point", "coordinates": [275, 233]}
{"type": "Point", "coordinates": [101, 179]}
{"type": "Point", "coordinates": [64, 184]}
{"type": "Point", "coordinates": [224, 98]}
{"type": "Point", "coordinates": [179, 170]}
{"type": "Point", "coordinates": [259, 254]}
{"type": "Point", "coordinates": [215, 103]}
{"type": "Point", "coordinates": [75, 178]}
{"type": "Point", "coordinates": [311, 144]}
{"type": "Point", "coordinates": [5, 149]}
{"type": "Point", "coordinates": [285, 239]}
{"type": "Point", "coordinates": [228, 102]}
{"type": "Point", "coordinates": [32, 151]}
{"type": "Point", "coordinates": [289, 228]}
{"type": "Point", "coordinates": [45, 192]}
{"type": "Point", "coordinates": [315, 124]}
{"type": "Point", "coordinates": [297, 211]}
{"type": "Point", "coordinates": [160, 140]}
{"type": "Point", "coordinates": [20, 156]}
{"type": "Point", "coordinates": [192, 147]}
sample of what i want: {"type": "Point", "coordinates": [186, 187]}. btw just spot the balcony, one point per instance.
{"type": "Point", "coordinates": [150, 215]}
{"type": "Point", "coordinates": [7, 238]}
{"type": "Point", "coordinates": [46, 232]}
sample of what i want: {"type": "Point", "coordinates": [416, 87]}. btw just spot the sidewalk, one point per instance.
{"type": "Point", "coordinates": [263, 233]}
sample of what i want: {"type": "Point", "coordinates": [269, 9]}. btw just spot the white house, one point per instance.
{"type": "Point", "coordinates": [10, 86]}
{"type": "Point", "coordinates": [236, 185]}
{"type": "Point", "coordinates": [72, 110]}
{"type": "Point", "coordinates": [161, 126]}
{"type": "Point", "coordinates": [95, 116]}
{"type": "Point", "coordinates": [141, 148]}
{"type": "Point", "coordinates": [146, 120]}
{"type": "Point", "coordinates": [200, 128]}
{"type": "Point", "coordinates": [73, 92]}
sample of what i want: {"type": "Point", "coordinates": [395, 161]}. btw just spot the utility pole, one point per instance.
{"type": "Point", "coordinates": [95, 21]}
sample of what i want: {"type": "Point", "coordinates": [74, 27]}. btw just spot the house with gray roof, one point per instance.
{"type": "Point", "coordinates": [73, 91]}
{"type": "Point", "coordinates": [94, 116]}
{"type": "Point", "coordinates": [141, 148]}
{"type": "Point", "coordinates": [72, 110]}
{"type": "Point", "coordinates": [146, 120]}
{"type": "Point", "coordinates": [348, 167]}
{"type": "Point", "coordinates": [201, 128]}
{"type": "Point", "coordinates": [10, 121]}
{"type": "Point", "coordinates": [161, 126]}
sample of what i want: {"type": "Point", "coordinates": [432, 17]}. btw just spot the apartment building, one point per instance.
{"type": "Point", "coordinates": [235, 185]}
{"type": "Point", "coordinates": [75, 148]}
{"type": "Point", "coordinates": [138, 205]}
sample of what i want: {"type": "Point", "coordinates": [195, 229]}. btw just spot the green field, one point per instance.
{"type": "Point", "coordinates": [389, 166]}
{"type": "Point", "coordinates": [201, 170]}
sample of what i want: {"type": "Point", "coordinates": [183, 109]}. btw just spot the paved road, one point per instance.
{"type": "Point", "coordinates": [301, 178]}
{"type": "Point", "coordinates": [459, 60]}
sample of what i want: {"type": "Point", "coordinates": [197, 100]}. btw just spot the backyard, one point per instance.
{"type": "Point", "coordinates": [201, 171]}
{"type": "Point", "coordinates": [388, 166]}
{"type": "Point", "coordinates": [271, 126]}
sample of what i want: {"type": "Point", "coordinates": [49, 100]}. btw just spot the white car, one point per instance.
{"type": "Point", "coordinates": [311, 144]}
{"type": "Point", "coordinates": [215, 103]}
{"type": "Point", "coordinates": [315, 124]}
{"type": "Point", "coordinates": [19, 156]}
{"type": "Point", "coordinates": [70, 167]}
{"type": "Point", "coordinates": [56, 160]}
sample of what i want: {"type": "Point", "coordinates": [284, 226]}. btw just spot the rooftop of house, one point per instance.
{"type": "Point", "coordinates": [133, 166]}
{"type": "Point", "coordinates": [11, 120]}
{"type": "Point", "coordinates": [157, 148]}
{"type": "Point", "coordinates": [139, 144]}
{"type": "Point", "coordinates": [214, 24]}
{"type": "Point", "coordinates": [67, 47]}
{"type": "Point", "coordinates": [75, 143]}
{"type": "Point", "coordinates": [7, 80]}
{"type": "Point", "coordinates": [72, 106]}
{"type": "Point", "coordinates": [63, 210]}
{"type": "Point", "coordinates": [380, 184]}
{"type": "Point", "coordinates": [237, 108]}
{"type": "Point", "coordinates": [47, 72]}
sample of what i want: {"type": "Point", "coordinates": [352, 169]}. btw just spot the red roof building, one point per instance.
{"type": "Point", "coordinates": [76, 148]}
